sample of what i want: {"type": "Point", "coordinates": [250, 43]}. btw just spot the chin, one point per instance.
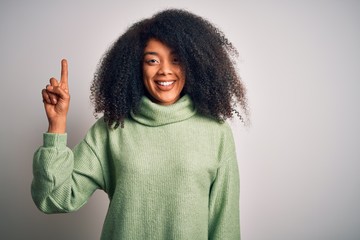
{"type": "Point", "coordinates": [167, 101]}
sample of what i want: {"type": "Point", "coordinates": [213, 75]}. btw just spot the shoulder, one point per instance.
{"type": "Point", "coordinates": [220, 127]}
{"type": "Point", "coordinates": [99, 126]}
{"type": "Point", "coordinates": [97, 132]}
{"type": "Point", "coordinates": [219, 135]}
{"type": "Point", "coordinates": [218, 132]}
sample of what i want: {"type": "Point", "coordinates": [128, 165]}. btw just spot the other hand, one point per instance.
{"type": "Point", "coordinates": [56, 100]}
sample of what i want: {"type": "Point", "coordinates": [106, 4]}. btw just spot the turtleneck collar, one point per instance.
{"type": "Point", "coordinates": [152, 114]}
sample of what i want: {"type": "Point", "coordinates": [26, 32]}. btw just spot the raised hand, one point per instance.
{"type": "Point", "coordinates": [56, 100]}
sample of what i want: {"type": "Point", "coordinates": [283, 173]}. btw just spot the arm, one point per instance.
{"type": "Point", "coordinates": [64, 179]}
{"type": "Point", "coordinates": [224, 216]}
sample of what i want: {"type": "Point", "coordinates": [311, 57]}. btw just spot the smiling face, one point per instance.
{"type": "Point", "coordinates": [163, 76]}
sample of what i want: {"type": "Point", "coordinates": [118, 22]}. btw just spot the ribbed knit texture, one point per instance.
{"type": "Point", "coordinates": [170, 173]}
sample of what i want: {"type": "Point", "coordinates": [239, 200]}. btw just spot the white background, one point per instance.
{"type": "Point", "coordinates": [300, 60]}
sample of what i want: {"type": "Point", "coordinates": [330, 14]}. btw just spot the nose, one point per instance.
{"type": "Point", "coordinates": [165, 68]}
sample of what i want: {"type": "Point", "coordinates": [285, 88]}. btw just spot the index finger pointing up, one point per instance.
{"type": "Point", "coordinates": [64, 74]}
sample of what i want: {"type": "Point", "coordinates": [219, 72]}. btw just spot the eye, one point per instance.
{"type": "Point", "coordinates": [176, 60]}
{"type": "Point", "coordinates": [151, 61]}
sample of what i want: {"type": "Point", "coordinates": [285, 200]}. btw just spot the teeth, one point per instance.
{"type": "Point", "coordinates": [165, 83]}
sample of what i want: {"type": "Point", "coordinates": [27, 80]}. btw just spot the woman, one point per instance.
{"type": "Point", "coordinates": [162, 150]}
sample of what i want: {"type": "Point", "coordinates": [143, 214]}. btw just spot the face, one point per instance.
{"type": "Point", "coordinates": [164, 78]}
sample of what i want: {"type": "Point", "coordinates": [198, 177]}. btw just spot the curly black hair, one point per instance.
{"type": "Point", "coordinates": [207, 56]}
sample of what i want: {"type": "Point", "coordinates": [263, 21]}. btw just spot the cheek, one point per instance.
{"type": "Point", "coordinates": [144, 72]}
{"type": "Point", "coordinates": [148, 73]}
{"type": "Point", "coordinates": [182, 76]}
{"type": "Point", "coordinates": [146, 76]}
{"type": "Point", "coordinates": [180, 73]}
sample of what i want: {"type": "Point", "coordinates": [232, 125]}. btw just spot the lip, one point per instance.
{"type": "Point", "coordinates": [166, 87]}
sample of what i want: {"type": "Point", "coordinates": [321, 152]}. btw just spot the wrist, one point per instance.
{"type": "Point", "coordinates": [57, 127]}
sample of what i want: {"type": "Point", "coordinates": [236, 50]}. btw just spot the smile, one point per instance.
{"type": "Point", "coordinates": [163, 83]}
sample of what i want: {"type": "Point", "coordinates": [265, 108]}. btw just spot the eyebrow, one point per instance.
{"type": "Point", "coordinates": [150, 53]}
{"type": "Point", "coordinates": [155, 53]}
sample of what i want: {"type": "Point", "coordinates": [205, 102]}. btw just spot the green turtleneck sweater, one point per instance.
{"type": "Point", "coordinates": [170, 173]}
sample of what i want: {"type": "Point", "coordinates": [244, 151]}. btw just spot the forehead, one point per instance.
{"type": "Point", "coordinates": [156, 46]}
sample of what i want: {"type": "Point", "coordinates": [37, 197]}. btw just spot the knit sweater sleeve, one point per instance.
{"type": "Point", "coordinates": [64, 179]}
{"type": "Point", "coordinates": [224, 222]}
